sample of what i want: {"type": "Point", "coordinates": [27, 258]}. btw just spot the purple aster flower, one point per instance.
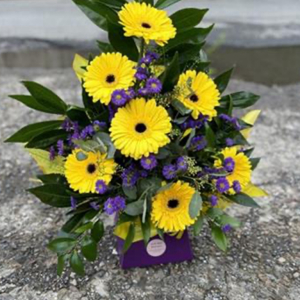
{"type": "Point", "coordinates": [60, 147]}
{"type": "Point", "coordinates": [73, 202]}
{"type": "Point", "coordinates": [101, 187]}
{"type": "Point", "coordinates": [141, 74]}
{"type": "Point", "coordinates": [87, 132]}
{"type": "Point", "coordinates": [94, 206]}
{"type": "Point", "coordinates": [130, 93]}
{"type": "Point", "coordinates": [149, 58]}
{"type": "Point", "coordinates": [222, 185]}
{"type": "Point", "coordinates": [67, 125]}
{"type": "Point", "coordinates": [149, 163]}
{"type": "Point", "coordinates": [229, 164]}
{"type": "Point", "coordinates": [181, 164]}
{"type": "Point", "coordinates": [191, 123]}
{"type": "Point", "coordinates": [76, 127]}
{"type": "Point", "coordinates": [143, 91]}
{"type": "Point", "coordinates": [119, 98]}
{"type": "Point", "coordinates": [113, 205]}
{"type": "Point", "coordinates": [226, 228]}
{"type": "Point", "coordinates": [153, 85]}
{"type": "Point", "coordinates": [214, 200]}
{"type": "Point", "coordinates": [112, 111]}
{"type": "Point", "coordinates": [52, 153]}
{"type": "Point", "coordinates": [198, 143]}
{"type": "Point", "coordinates": [153, 55]}
{"type": "Point", "coordinates": [130, 176]}
{"type": "Point", "coordinates": [169, 171]}
{"type": "Point", "coordinates": [229, 142]}
{"type": "Point", "coordinates": [98, 125]}
{"type": "Point", "coordinates": [236, 186]}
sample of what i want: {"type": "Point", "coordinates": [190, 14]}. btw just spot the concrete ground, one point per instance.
{"type": "Point", "coordinates": [263, 262]}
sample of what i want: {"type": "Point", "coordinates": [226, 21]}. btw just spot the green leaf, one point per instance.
{"type": "Point", "coordinates": [89, 248]}
{"type": "Point", "coordinates": [222, 80]}
{"type": "Point", "coordinates": [240, 99]}
{"type": "Point", "coordinates": [195, 205]}
{"type": "Point", "coordinates": [198, 225]}
{"type": "Point", "coordinates": [72, 223]}
{"type": "Point", "coordinates": [161, 233]}
{"type": "Point", "coordinates": [52, 194]}
{"type": "Point", "coordinates": [97, 231]}
{"type": "Point", "coordinates": [30, 131]}
{"type": "Point", "coordinates": [61, 263]}
{"type": "Point", "coordinates": [47, 139]}
{"type": "Point", "coordinates": [187, 18]}
{"type": "Point", "coordinates": [219, 238]}
{"type": "Point", "coordinates": [76, 263]}
{"type": "Point", "coordinates": [121, 43]}
{"type": "Point", "coordinates": [254, 162]}
{"type": "Point", "coordinates": [135, 208]}
{"type": "Point", "coordinates": [84, 227]}
{"type": "Point", "coordinates": [151, 2]}
{"type": "Point", "coordinates": [225, 219]}
{"type": "Point", "coordinates": [130, 192]}
{"type": "Point", "coordinates": [45, 97]}
{"type": "Point", "coordinates": [61, 245]}
{"type": "Point", "coordinates": [210, 136]}
{"type": "Point", "coordinates": [104, 140]}
{"type": "Point", "coordinates": [78, 114]}
{"type": "Point", "coordinates": [161, 4]}
{"type": "Point", "coordinates": [104, 47]}
{"type": "Point", "coordinates": [180, 107]}
{"type": "Point", "coordinates": [243, 199]}
{"type": "Point", "coordinates": [52, 178]}
{"type": "Point", "coordinates": [97, 12]}
{"type": "Point", "coordinates": [116, 4]}
{"type": "Point", "coordinates": [146, 230]}
{"type": "Point", "coordinates": [170, 77]}
{"type": "Point", "coordinates": [33, 103]}
{"type": "Point", "coordinates": [129, 239]}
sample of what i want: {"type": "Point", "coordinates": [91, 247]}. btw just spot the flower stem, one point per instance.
{"type": "Point", "coordinates": [142, 49]}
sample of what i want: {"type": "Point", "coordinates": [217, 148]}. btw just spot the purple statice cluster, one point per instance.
{"type": "Point", "coordinates": [223, 185]}
{"type": "Point", "coordinates": [172, 170]}
{"type": "Point", "coordinates": [192, 123]}
{"type": "Point", "coordinates": [198, 143]}
{"type": "Point", "coordinates": [132, 174]}
{"type": "Point", "coordinates": [58, 150]}
{"type": "Point", "coordinates": [115, 204]}
{"type": "Point", "coordinates": [232, 120]}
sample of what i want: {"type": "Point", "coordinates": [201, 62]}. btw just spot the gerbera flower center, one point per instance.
{"type": "Point", "coordinates": [110, 78]}
{"type": "Point", "coordinates": [140, 128]}
{"type": "Point", "coordinates": [194, 98]}
{"type": "Point", "coordinates": [91, 168]}
{"type": "Point", "coordinates": [146, 25]}
{"type": "Point", "coordinates": [173, 203]}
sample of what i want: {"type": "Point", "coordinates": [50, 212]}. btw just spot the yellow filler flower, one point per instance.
{"type": "Point", "coordinates": [170, 208]}
{"type": "Point", "coordinates": [198, 93]}
{"type": "Point", "coordinates": [107, 73]}
{"type": "Point", "coordinates": [144, 21]}
{"type": "Point", "coordinates": [84, 169]}
{"type": "Point", "coordinates": [140, 128]}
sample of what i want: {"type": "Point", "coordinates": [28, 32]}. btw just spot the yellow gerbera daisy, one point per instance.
{"type": "Point", "coordinates": [170, 208]}
{"type": "Point", "coordinates": [241, 167]}
{"type": "Point", "coordinates": [107, 73]}
{"type": "Point", "coordinates": [143, 20]}
{"type": "Point", "coordinates": [84, 169]}
{"type": "Point", "coordinates": [140, 128]}
{"type": "Point", "coordinates": [199, 93]}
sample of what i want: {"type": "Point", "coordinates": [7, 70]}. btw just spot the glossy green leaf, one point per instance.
{"type": "Point", "coordinates": [135, 208]}
{"type": "Point", "coordinates": [89, 248]}
{"type": "Point", "coordinates": [47, 139]}
{"type": "Point", "coordinates": [72, 223]}
{"type": "Point", "coordinates": [105, 47]}
{"type": "Point", "coordinates": [187, 18]}
{"type": "Point", "coordinates": [254, 162]}
{"type": "Point", "coordinates": [210, 136]}
{"type": "Point", "coordinates": [61, 245]}
{"type": "Point", "coordinates": [225, 219]}
{"type": "Point", "coordinates": [97, 231]}
{"type": "Point", "coordinates": [180, 107]}
{"type": "Point", "coordinates": [76, 263]}
{"type": "Point", "coordinates": [240, 99]}
{"type": "Point", "coordinates": [195, 205]}
{"type": "Point", "coordinates": [243, 199]}
{"type": "Point", "coordinates": [130, 192]}
{"type": "Point", "coordinates": [46, 97]}
{"type": "Point", "coordinates": [52, 178]}
{"type": "Point", "coordinates": [222, 80]}
{"type": "Point", "coordinates": [171, 75]}
{"type": "Point", "coordinates": [84, 227]}
{"type": "Point", "coordinates": [61, 263]}
{"type": "Point", "coordinates": [115, 4]}
{"type": "Point", "coordinates": [129, 239]}
{"type": "Point", "coordinates": [30, 131]}
{"type": "Point", "coordinates": [219, 238]}
{"type": "Point", "coordinates": [78, 114]}
{"type": "Point", "coordinates": [161, 4]}
{"type": "Point", "coordinates": [146, 230]}
{"type": "Point", "coordinates": [198, 225]}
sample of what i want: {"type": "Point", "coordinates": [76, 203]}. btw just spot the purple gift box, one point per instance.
{"type": "Point", "coordinates": [171, 250]}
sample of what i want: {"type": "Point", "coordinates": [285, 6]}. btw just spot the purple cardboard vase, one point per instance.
{"type": "Point", "coordinates": [171, 250]}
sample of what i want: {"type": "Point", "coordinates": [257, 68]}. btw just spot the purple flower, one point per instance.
{"type": "Point", "coordinates": [113, 205]}
{"type": "Point", "coordinates": [67, 125]}
{"type": "Point", "coordinates": [143, 173]}
{"type": "Point", "coordinates": [236, 186]}
{"type": "Point", "coordinates": [229, 164]}
{"type": "Point", "coordinates": [98, 125]}
{"type": "Point", "coordinates": [101, 187]}
{"type": "Point", "coordinates": [181, 164]}
{"type": "Point", "coordinates": [169, 171]}
{"type": "Point", "coordinates": [119, 98]}
{"type": "Point", "coordinates": [222, 185]}
{"type": "Point", "coordinates": [229, 142]}
{"type": "Point", "coordinates": [73, 202]}
{"type": "Point", "coordinates": [60, 147]}
{"type": "Point", "coordinates": [143, 91]}
{"type": "Point", "coordinates": [198, 143]}
{"type": "Point", "coordinates": [130, 93]}
{"type": "Point", "coordinates": [213, 200]}
{"type": "Point", "coordinates": [141, 74]}
{"type": "Point", "coordinates": [52, 153]}
{"type": "Point", "coordinates": [149, 163]}
{"type": "Point", "coordinates": [153, 85]}
{"type": "Point", "coordinates": [234, 121]}
{"type": "Point", "coordinates": [225, 118]}
{"type": "Point", "coordinates": [112, 111]}
{"type": "Point", "coordinates": [87, 132]}
{"type": "Point", "coordinates": [191, 123]}
{"type": "Point", "coordinates": [226, 228]}
{"type": "Point", "coordinates": [94, 206]}
{"type": "Point", "coordinates": [130, 176]}
{"type": "Point", "coordinates": [149, 58]}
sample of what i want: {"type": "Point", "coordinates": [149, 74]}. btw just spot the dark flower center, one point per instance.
{"type": "Point", "coordinates": [140, 128]}
{"type": "Point", "coordinates": [194, 98]}
{"type": "Point", "coordinates": [110, 78]}
{"type": "Point", "coordinates": [146, 25]}
{"type": "Point", "coordinates": [91, 168]}
{"type": "Point", "coordinates": [173, 203]}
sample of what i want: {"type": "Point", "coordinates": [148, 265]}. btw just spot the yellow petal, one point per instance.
{"type": "Point", "coordinates": [249, 118]}
{"type": "Point", "coordinates": [254, 191]}
{"type": "Point", "coordinates": [78, 63]}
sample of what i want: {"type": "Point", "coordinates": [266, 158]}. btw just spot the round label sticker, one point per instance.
{"type": "Point", "coordinates": [156, 248]}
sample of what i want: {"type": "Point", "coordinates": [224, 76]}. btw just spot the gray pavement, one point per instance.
{"type": "Point", "coordinates": [263, 262]}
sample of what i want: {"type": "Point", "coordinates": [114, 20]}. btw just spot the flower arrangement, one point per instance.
{"type": "Point", "coordinates": [155, 142]}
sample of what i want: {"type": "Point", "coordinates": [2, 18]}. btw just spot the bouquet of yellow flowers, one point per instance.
{"type": "Point", "coordinates": [155, 143]}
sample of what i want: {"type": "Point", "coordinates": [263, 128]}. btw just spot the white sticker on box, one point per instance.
{"type": "Point", "coordinates": [156, 248]}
